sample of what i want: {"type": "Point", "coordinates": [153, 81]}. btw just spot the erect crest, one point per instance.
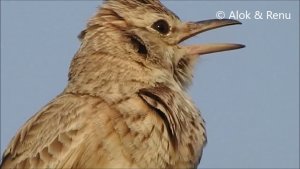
{"type": "Point", "coordinates": [149, 5]}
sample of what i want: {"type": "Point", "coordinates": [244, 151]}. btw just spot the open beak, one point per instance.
{"type": "Point", "coordinates": [193, 28]}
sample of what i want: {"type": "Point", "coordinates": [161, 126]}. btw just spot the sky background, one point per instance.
{"type": "Point", "coordinates": [249, 98]}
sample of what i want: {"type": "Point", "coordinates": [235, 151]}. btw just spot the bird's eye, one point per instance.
{"type": "Point", "coordinates": [161, 26]}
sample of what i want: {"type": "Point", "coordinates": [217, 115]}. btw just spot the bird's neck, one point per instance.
{"type": "Point", "coordinates": [106, 76]}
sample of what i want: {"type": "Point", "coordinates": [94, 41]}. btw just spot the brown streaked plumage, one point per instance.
{"type": "Point", "coordinates": [125, 104]}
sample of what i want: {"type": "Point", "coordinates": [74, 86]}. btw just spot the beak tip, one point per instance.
{"type": "Point", "coordinates": [237, 46]}
{"type": "Point", "coordinates": [238, 22]}
{"type": "Point", "coordinates": [242, 46]}
{"type": "Point", "coordinates": [231, 22]}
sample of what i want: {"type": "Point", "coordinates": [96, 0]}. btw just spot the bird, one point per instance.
{"type": "Point", "coordinates": [126, 103]}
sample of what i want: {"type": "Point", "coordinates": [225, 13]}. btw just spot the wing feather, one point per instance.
{"type": "Point", "coordinates": [50, 136]}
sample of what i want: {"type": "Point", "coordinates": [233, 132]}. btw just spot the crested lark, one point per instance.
{"type": "Point", "coordinates": [125, 105]}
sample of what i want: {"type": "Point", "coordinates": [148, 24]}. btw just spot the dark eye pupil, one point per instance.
{"type": "Point", "coordinates": [161, 26]}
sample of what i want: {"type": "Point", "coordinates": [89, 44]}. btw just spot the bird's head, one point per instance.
{"type": "Point", "coordinates": [148, 34]}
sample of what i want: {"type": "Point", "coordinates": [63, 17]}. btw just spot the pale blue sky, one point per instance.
{"type": "Point", "coordinates": [249, 98]}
